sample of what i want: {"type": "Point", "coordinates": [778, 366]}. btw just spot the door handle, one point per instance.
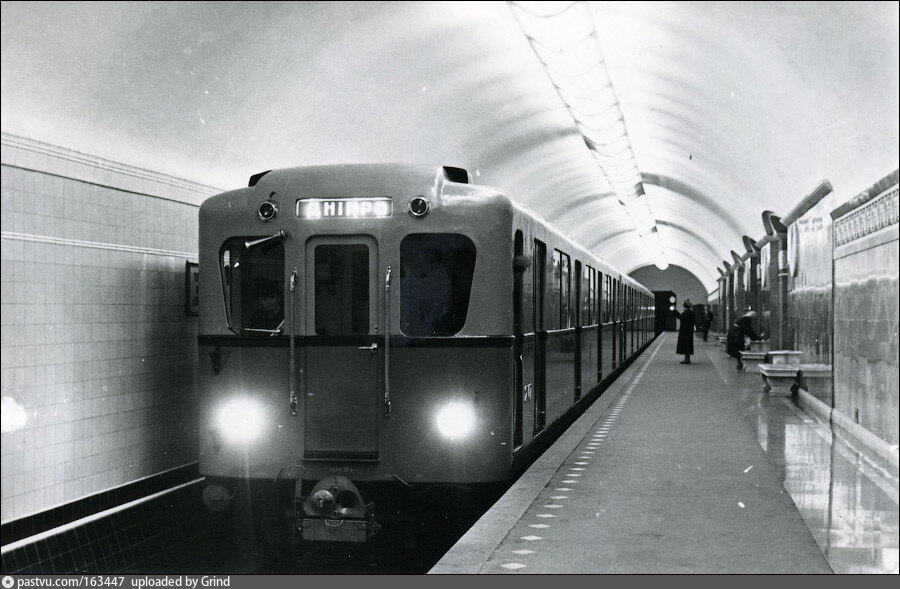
{"type": "Point", "coordinates": [371, 348]}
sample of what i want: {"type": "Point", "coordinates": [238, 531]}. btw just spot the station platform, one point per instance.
{"type": "Point", "coordinates": [691, 469]}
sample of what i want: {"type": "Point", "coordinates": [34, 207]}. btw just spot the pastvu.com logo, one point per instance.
{"type": "Point", "coordinates": [8, 582]}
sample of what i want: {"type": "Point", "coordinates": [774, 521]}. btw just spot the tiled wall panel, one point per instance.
{"type": "Point", "coordinates": [98, 355]}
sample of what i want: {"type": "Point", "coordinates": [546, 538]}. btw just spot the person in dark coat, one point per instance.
{"type": "Point", "coordinates": [706, 318]}
{"type": "Point", "coordinates": [737, 334]}
{"type": "Point", "coordinates": [685, 332]}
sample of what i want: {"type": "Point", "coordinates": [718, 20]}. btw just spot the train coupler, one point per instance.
{"type": "Point", "coordinates": [334, 511]}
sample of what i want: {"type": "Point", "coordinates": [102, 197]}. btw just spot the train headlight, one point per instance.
{"type": "Point", "coordinates": [456, 420]}
{"type": "Point", "coordinates": [241, 420]}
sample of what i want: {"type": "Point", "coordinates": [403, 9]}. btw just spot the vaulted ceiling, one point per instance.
{"type": "Point", "coordinates": [731, 108]}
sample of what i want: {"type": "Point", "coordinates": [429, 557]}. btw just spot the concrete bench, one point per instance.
{"type": "Point", "coordinates": [751, 360]}
{"type": "Point", "coordinates": [785, 356]}
{"type": "Point", "coordinates": [759, 346]}
{"type": "Point", "coordinates": [815, 379]}
{"type": "Point", "coordinates": [785, 379]}
{"type": "Point", "coordinates": [778, 379]}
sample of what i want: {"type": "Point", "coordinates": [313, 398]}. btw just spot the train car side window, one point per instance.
{"type": "Point", "coordinates": [562, 279]}
{"type": "Point", "coordinates": [540, 287]}
{"type": "Point", "coordinates": [436, 272]}
{"type": "Point", "coordinates": [615, 311]}
{"type": "Point", "coordinates": [599, 305]}
{"type": "Point", "coordinates": [587, 296]}
{"type": "Point", "coordinates": [553, 290]}
{"type": "Point", "coordinates": [253, 285]}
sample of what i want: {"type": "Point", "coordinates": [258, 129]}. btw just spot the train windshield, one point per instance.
{"type": "Point", "coordinates": [435, 281]}
{"type": "Point", "coordinates": [253, 284]}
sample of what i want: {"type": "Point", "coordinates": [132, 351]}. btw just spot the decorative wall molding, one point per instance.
{"type": "Point", "coordinates": [883, 185]}
{"type": "Point", "coordinates": [876, 214]}
{"type": "Point", "coordinates": [119, 247]}
{"type": "Point", "coordinates": [30, 154]}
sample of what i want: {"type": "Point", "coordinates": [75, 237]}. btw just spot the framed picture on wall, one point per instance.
{"type": "Point", "coordinates": [191, 289]}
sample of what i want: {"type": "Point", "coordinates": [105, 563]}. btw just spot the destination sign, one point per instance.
{"type": "Point", "coordinates": [349, 208]}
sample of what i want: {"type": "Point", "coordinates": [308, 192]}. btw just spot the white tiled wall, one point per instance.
{"type": "Point", "coordinates": [98, 356]}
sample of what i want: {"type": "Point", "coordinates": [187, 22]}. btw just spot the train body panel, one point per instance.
{"type": "Point", "coordinates": [246, 396]}
{"type": "Point", "coordinates": [349, 434]}
{"type": "Point", "coordinates": [397, 325]}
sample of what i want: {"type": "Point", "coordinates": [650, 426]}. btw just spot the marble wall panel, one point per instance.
{"type": "Point", "coordinates": [865, 331]}
{"type": "Point", "coordinates": [810, 313]}
{"type": "Point", "coordinates": [766, 279]}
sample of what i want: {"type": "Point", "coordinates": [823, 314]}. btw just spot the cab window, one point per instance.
{"type": "Point", "coordinates": [435, 283]}
{"type": "Point", "coordinates": [253, 285]}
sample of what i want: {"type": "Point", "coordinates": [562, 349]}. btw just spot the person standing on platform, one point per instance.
{"type": "Point", "coordinates": [706, 318]}
{"type": "Point", "coordinates": [685, 344]}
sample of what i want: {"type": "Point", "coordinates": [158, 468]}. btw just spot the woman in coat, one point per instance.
{"type": "Point", "coordinates": [737, 334]}
{"type": "Point", "coordinates": [685, 344]}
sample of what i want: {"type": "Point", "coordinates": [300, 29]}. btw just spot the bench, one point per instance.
{"type": "Point", "coordinates": [785, 356]}
{"type": "Point", "coordinates": [785, 379]}
{"type": "Point", "coordinates": [759, 346]}
{"type": "Point", "coordinates": [815, 379]}
{"type": "Point", "coordinates": [751, 360]}
{"type": "Point", "coordinates": [779, 379]}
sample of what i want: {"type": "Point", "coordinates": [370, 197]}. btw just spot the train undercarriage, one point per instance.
{"type": "Point", "coordinates": [304, 526]}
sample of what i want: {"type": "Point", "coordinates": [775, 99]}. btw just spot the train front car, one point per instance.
{"type": "Point", "coordinates": [354, 342]}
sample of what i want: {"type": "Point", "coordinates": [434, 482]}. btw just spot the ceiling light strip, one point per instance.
{"type": "Point", "coordinates": [564, 39]}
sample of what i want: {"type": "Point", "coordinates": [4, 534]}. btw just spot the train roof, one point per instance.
{"type": "Point", "coordinates": [390, 174]}
{"type": "Point", "coordinates": [385, 177]}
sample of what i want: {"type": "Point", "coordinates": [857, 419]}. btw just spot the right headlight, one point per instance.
{"type": "Point", "coordinates": [456, 420]}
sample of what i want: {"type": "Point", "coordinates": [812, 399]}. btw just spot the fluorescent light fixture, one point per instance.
{"type": "Point", "coordinates": [565, 40]}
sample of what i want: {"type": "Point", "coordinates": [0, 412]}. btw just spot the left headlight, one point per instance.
{"type": "Point", "coordinates": [456, 420]}
{"type": "Point", "coordinates": [241, 420]}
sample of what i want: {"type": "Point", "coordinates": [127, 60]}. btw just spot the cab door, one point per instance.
{"type": "Point", "coordinates": [341, 359]}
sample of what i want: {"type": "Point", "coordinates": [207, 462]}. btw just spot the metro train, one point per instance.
{"type": "Point", "coordinates": [369, 332]}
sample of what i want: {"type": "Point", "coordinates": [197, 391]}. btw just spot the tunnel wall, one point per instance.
{"type": "Point", "coordinates": [828, 284]}
{"type": "Point", "coordinates": [810, 297]}
{"type": "Point", "coordinates": [866, 358]}
{"type": "Point", "coordinates": [98, 348]}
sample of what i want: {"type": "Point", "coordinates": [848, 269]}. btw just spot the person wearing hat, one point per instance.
{"type": "Point", "coordinates": [685, 343]}
{"type": "Point", "coordinates": [737, 334]}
